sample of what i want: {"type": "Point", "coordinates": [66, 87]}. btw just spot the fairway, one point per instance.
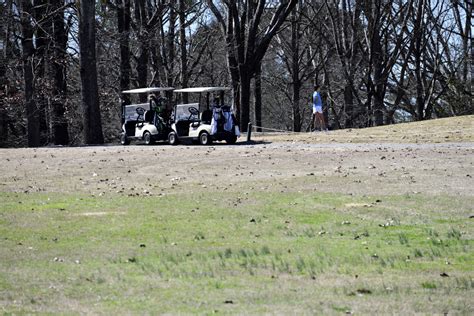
{"type": "Point", "coordinates": [277, 226]}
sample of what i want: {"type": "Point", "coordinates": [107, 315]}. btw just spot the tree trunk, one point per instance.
{"type": "Point", "coordinates": [379, 106]}
{"type": "Point", "coordinates": [143, 38]}
{"type": "Point", "coordinates": [295, 71]}
{"type": "Point", "coordinates": [236, 96]}
{"type": "Point", "coordinates": [170, 43]}
{"type": "Point", "coordinates": [42, 52]}
{"type": "Point", "coordinates": [335, 123]}
{"type": "Point", "coordinates": [465, 32]}
{"type": "Point", "coordinates": [157, 52]}
{"type": "Point", "coordinates": [5, 10]}
{"type": "Point", "coordinates": [378, 80]}
{"type": "Point", "coordinates": [3, 111]}
{"type": "Point", "coordinates": [346, 28]}
{"type": "Point", "coordinates": [58, 72]}
{"type": "Point", "coordinates": [347, 56]}
{"type": "Point", "coordinates": [418, 38]}
{"type": "Point", "coordinates": [245, 84]}
{"type": "Point", "coordinates": [368, 102]}
{"type": "Point", "coordinates": [258, 97]}
{"type": "Point", "coordinates": [348, 106]}
{"type": "Point", "coordinates": [183, 47]}
{"type": "Point", "coordinates": [466, 37]}
{"type": "Point", "coordinates": [123, 24]}
{"type": "Point", "coordinates": [471, 60]}
{"type": "Point", "coordinates": [92, 128]}
{"type": "Point", "coordinates": [32, 112]}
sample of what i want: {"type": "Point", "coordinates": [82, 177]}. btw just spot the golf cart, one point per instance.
{"type": "Point", "coordinates": [204, 120]}
{"type": "Point", "coordinates": [149, 121]}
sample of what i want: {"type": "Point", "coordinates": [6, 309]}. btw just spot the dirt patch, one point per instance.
{"type": "Point", "coordinates": [446, 168]}
{"type": "Point", "coordinates": [380, 160]}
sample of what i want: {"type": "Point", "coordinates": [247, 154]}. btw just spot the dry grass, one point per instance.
{"type": "Point", "coordinates": [455, 129]}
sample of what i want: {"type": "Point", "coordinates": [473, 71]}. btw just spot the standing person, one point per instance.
{"type": "Point", "coordinates": [155, 103]}
{"type": "Point", "coordinates": [215, 102]}
{"type": "Point", "coordinates": [318, 117]}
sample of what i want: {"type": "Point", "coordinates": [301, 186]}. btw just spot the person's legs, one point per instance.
{"type": "Point", "coordinates": [316, 123]}
{"type": "Point", "coordinates": [320, 118]}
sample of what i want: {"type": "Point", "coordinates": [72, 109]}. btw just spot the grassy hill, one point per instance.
{"type": "Point", "coordinates": [453, 129]}
{"type": "Point", "coordinates": [267, 228]}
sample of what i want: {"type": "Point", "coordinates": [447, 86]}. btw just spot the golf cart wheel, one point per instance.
{"type": "Point", "coordinates": [231, 140]}
{"type": "Point", "coordinates": [173, 138]}
{"type": "Point", "coordinates": [124, 140]}
{"type": "Point", "coordinates": [147, 138]}
{"type": "Point", "coordinates": [205, 138]}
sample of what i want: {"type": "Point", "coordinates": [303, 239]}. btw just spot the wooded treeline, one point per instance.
{"type": "Point", "coordinates": [63, 63]}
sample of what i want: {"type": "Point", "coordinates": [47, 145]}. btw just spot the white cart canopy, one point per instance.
{"type": "Point", "coordinates": [149, 90]}
{"type": "Point", "coordinates": [202, 89]}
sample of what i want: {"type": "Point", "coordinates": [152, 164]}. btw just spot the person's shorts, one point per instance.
{"type": "Point", "coordinates": [317, 109]}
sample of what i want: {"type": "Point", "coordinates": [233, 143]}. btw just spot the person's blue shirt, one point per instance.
{"type": "Point", "coordinates": [317, 99]}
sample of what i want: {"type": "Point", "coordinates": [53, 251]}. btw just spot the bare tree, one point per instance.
{"type": "Point", "coordinates": [346, 28]}
{"type": "Point", "coordinates": [188, 13]}
{"type": "Point", "coordinates": [59, 124]}
{"type": "Point", "coordinates": [92, 125]}
{"type": "Point", "coordinates": [418, 50]}
{"type": "Point", "coordinates": [463, 10]}
{"type": "Point", "coordinates": [32, 110]}
{"type": "Point", "coordinates": [294, 49]}
{"type": "Point", "coordinates": [247, 42]}
{"type": "Point", "coordinates": [170, 42]}
{"type": "Point", "coordinates": [183, 44]}
{"type": "Point", "coordinates": [123, 26]}
{"type": "Point", "coordinates": [385, 37]}
{"type": "Point", "coordinates": [143, 37]}
{"type": "Point", "coordinates": [8, 49]}
{"type": "Point", "coordinates": [457, 67]}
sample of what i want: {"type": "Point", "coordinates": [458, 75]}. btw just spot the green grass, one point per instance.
{"type": "Point", "coordinates": [235, 253]}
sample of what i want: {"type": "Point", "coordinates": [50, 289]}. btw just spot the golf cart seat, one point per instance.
{"type": "Point", "coordinates": [149, 115]}
{"type": "Point", "coordinates": [130, 127]}
{"type": "Point", "coordinates": [182, 127]}
{"type": "Point", "coordinates": [206, 117]}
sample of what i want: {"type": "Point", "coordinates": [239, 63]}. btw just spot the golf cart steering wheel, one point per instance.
{"type": "Point", "coordinates": [193, 111]}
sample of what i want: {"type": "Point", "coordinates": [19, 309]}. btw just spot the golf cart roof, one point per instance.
{"type": "Point", "coordinates": [202, 89]}
{"type": "Point", "coordinates": [148, 90]}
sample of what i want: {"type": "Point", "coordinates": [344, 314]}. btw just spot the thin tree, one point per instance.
{"type": "Point", "coordinates": [32, 111]}
{"type": "Point", "coordinates": [258, 97]}
{"type": "Point", "coordinates": [92, 125]}
{"type": "Point", "coordinates": [59, 124]}
{"type": "Point", "coordinates": [123, 25]}
{"type": "Point", "coordinates": [141, 19]}
{"type": "Point", "coordinates": [386, 36]}
{"type": "Point", "coordinates": [294, 49]}
{"type": "Point", "coordinates": [183, 44]}
{"type": "Point", "coordinates": [345, 30]}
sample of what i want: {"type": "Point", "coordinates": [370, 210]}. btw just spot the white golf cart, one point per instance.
{"type": "Point", "coordinates": [149, 121]}
{"type": "Point", "coordinates": [205, 120]}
